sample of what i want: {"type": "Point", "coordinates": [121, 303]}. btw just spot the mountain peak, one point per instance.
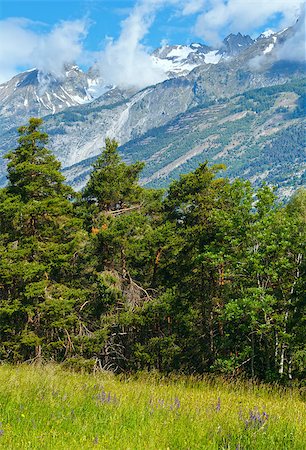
{"type": "Point", "coordinates": [266, 34]}
{"type": "Point", "coordinates": [178, 60]}
{"type": "Point", "coordinates": [234, 44]}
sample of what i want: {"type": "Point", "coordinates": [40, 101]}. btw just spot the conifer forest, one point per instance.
{"type": "Point", "coordinates": [206, 276]}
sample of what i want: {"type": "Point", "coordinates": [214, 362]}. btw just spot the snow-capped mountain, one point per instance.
{"type": "Point", "coordinates": [79, 132]}
{"type": "Point", "coordinates": [178, 60]}
{"type": "Point", "coordinates": [78, 118]}
{"type": "Point", "coordinates": [266, 34]}
{"type": "Point", "coordinates": [33, 93]}
{"type": "Point", "coordinates": [235, 44]}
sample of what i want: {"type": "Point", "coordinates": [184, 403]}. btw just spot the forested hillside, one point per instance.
{"type": "Point", "coordinates": [259, 135]}
{"type": "Point", "coordinates": [207, 276]}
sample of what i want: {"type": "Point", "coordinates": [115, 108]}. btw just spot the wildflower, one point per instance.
{"type": "Point", "coordinates": [256, 419]}
{"type": "Point", "coordinates": [103, 397]}
{"type": "Point", "coordinates": [177, 403]}
{"type": "Point", "coordinates": [218, 406]}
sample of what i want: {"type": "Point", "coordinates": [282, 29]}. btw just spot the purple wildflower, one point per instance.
{"type": "Point", "coordinates": [177, 402]}
{"type": "Point", "coordinates": [218, 406]}
{"type": "Point", "coordinates": [256, 419]}
{"type": "Point", "coordinates": [103, 397]}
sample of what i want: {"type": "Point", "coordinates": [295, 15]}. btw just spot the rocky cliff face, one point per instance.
{"type": "Point", "coordinates": [234, 44]}
{"type": "Point", "coordinates": [33, 93]}
{"type": "Point", "coordinates": [198, 76]}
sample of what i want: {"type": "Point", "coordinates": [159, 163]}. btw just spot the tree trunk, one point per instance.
{"type": "Point", "coordinates": [253, 352]}
{"type": "Point", "coordinates": [282, 360]}
{"type": "Point", "coordinates": [283, 347]}
{"type": "Point", "coordinates": [156, 263]}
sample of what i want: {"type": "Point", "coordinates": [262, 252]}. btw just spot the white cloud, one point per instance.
{"type": "Point", "coordinates": [193, 7]}
{"type": "Point", "coordinates": [293, 49]}
{"type": "Point", "coordinates": [21, 46]}
{"type": "Point", "coordinates": [245, 16]}
{"type": "Point", "coordinates": [62, 45]}
{"type": "Point", "coordinates": [15, 44]}
{"type": "Point", "coordinates": [126, 61]}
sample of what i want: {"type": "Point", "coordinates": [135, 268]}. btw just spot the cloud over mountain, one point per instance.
{"type": "Point", "coordinates": [293, 49]}
{"type": "Point", "coordinates": [23, 45]}
{"type": "Point", "coordinates": [126, 61]}
{"type": "Point", "coordinates": [244, 16]}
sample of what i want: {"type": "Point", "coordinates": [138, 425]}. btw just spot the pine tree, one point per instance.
{"type": "Point", "coordinates": [113, 184]}
{"type": "Point", "coordinates": [33, 172]}
{"type": "Point", "coordinates": [41, 249]}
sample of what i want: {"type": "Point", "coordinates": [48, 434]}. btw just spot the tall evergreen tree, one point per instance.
{"type": "Point", "coordinates": [33, 172]}
{"type": "Point", "coordinates": [42, 243]}
{"type": "Point", "coordinates": [209, 277]}
{"type": "Point", "coordinates": [113, 184]}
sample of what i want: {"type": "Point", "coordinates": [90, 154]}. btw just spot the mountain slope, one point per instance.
{"type": "Point", "coordinates": [259, 135]}
{"type": "Point", "coordinates": [212, 91]}
{"type": "Point", "coordinates": [36, 94]}
{"type": "Point", "coordinates": [79, 132]}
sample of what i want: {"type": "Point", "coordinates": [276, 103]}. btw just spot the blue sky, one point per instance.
{"type": "Point", "coordinates": [43, 33]}
{"type": "Point", "coordinates": [104, 17]}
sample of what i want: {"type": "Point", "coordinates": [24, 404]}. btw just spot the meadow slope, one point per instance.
{"type": "Point", "coordinates": [49, 408]}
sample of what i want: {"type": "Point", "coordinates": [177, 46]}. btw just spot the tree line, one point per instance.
{"type": "Point", "coordinates": [207, 276]}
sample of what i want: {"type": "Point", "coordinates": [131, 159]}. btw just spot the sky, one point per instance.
{"type": "Point", "coordinates": [122, 33]}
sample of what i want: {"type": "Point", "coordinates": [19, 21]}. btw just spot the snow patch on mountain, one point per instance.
{"type": "Point", "coordinates": [181, 59]}
{"type": "Point", "coordinates": [180, 52]}
{"type": "Point", "coordinates": [173, 67]}
{"type": "Point", "coordinates": [266, 34]}
{"type": "Point", "coordinates": [270, 46]}
{"type": "Point", "coordinates": [212, 57]}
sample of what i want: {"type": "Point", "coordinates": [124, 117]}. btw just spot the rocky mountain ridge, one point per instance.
{"type": "Point", "coordinates": [34, 93]}
{"type": "Point", "coordinates": [198, 76]}
{"type": "Point", "coordinates": [258, 135]}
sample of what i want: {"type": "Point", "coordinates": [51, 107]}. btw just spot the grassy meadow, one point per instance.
{"type": "Point", "coordinates": [47, 407]}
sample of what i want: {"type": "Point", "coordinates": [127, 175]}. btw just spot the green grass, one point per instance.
{"type": "Point", "coordinates": [49, 408]}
